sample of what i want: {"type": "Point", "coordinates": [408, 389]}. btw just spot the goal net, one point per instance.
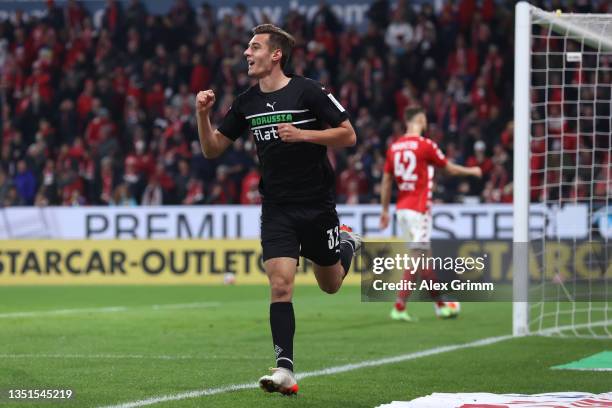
{"type": "Point", "coordinates": [562, 180]}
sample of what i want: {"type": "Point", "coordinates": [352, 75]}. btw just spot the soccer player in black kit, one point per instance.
{"type": "Point", "coordinates": [293, 119]}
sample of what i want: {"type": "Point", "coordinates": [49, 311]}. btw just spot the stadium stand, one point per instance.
{"type": "Point", "coordinates": [105, 115]}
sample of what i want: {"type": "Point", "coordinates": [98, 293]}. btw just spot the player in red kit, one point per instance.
{"type": "Point", "coordinates": [411, 160]}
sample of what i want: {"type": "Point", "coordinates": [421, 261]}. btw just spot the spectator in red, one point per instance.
{"type": "Point", "coordinates": [431, 99]}
{"type": "Point", "coordinates": [99, 128]}
{"type": "Point", "coordinates": [463, 61]}
{"type": "Point", "coordinates": [482, 98]}
{"type": "Point", "coordinates": [324, 37]}
{"type": "Point", "coordinates": [41, 80]}
{"type": "Point", "coordinates": [76, 152]}
{"type": "Point", "coordinates": [556, 123]}
{"type": "Point", "coordinates": [200, 75]}
{"type": "Point", "coordinates": [154, 100]}
{"type": "Point", "coordinates": [493, 67]}
{"type": "Point", "coordinates": [84, 104]}
{"type": "Point", "coordinates": [479, 158]}
{"type": "Point", "coordinates": [498, 188]}
{"type": "Point", "coordinates": [465, 12]}
{"type": "Point", "coordinates": [603, 183]}
{"type": "Point", "coordinates": [112, 20]}
{"type": "Point", "coordinates": [352, 192]}
{"type": "Point", "coordinates": [507, 136]}
{"type": "Point", "coordinates": [223, 190]}
{"type": "Point", "coordinates": [71, 187]}
{"type": "Point", "coordinates": [195, 192]}
{"type": "Point", "coordinates": [23, 49]}
{"type": "Point", "coordinates": [46, 132]}
{"type": "Point", "coordinates": [349, 95]}
{"type": "Point", "coordinates": [75, 14]}
{"type": "Point", "coordinates": [353, 174]}
{"type": "Point", "coordinates": [404, 98]}
{"type": "Point", "coordinates": [184, 101]}
{"type": "Point", "coordinates": [164, 179]}
{"type": "Point", "coordinates": [250, 188]}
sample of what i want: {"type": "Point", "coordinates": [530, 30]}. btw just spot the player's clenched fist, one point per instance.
{"type": "Point", "coordinates": [289, 133]}
{"type": "Point", "coordinates": [204, 101]}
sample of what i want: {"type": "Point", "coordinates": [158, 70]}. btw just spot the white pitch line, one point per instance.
{"type": "Point", "coordinates": [112, 309]}
{"type": "Point", "coordinates": [195, 305]}
{"type": "Point", "coordinates": [130, 356]}
{"type": "Point", "coordinates": [317, 373]}
{"type": "Point", "coordinates": [185, 395]}
{"type": "Point", "coordinates": [60, 312]}
{"type": "Point", "coordinates": [97, 356]}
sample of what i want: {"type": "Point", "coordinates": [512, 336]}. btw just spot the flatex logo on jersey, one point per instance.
{"type": "Point", "coordinates": [264, 125]}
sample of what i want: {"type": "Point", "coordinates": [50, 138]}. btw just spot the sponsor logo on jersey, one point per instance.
{"type": "Point", "coordinates": [271, 119]}
{"type": "Point", "coordinates": [264, 135]}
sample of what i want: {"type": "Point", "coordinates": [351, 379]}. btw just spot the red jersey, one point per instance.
{"type": "Point", "coordinates": [410, 159]}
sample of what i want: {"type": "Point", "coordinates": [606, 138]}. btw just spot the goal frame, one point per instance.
{"type": "Point", "coordinates": [524, 13]}
{"type": "Point", "coordinates": [520, 202]}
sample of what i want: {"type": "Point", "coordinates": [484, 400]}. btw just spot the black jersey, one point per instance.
{"type": "Point", "coordinates": [290, 172]}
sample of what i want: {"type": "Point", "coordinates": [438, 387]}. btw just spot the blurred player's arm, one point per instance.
{"type": "Point", "coordinates": [385, 198]}
{"type": "Point", "coordinates": [341, 136]}
{"type": "Point", "coordinates": [213, 142]}
{"type": "Point", "coordinates": [453, 169]}
{"type": "Point", "coordinates": [436, 158]}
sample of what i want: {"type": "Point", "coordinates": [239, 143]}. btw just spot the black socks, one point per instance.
{"type": "Point", "coordinates": [347, 250]}
{"type": "Point", "coordinates": [282, 323]}
{"type": "Point", "coordinates": [282, 318]}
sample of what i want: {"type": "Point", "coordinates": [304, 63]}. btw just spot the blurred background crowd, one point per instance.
{"type": "Point", "coordinates": [104, 115]}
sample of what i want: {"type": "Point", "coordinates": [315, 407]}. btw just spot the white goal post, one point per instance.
{"type": "Point", "coordinates": [562, 153]}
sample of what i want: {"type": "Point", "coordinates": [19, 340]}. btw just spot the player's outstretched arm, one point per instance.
{"type": "Point", "coordinates": [385, 199]}
{"type": "Point", "coordinates": [458, 170]}
{"type": "Point", "coordinates": [341, 136]}
{"type": "Point", "coordinates": [213, 142]}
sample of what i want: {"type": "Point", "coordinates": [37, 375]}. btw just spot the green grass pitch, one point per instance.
{"type": "Point", "coordinates": [214, 336]}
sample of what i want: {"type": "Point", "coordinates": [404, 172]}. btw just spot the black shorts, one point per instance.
{"type": "Point", "coordinates": [310, 230]}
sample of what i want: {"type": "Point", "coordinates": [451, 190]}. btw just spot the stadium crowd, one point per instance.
{"type": "Point", "coordinates": [105, 115]}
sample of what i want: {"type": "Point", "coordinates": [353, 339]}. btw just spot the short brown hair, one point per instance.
{"type": "Point", "coordinates": [411, 111]}
{"type": "Point", "coordinates": [279, 38]}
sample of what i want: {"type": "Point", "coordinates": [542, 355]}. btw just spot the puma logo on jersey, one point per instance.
{"type": "Point", "coordinates": [271, 106]}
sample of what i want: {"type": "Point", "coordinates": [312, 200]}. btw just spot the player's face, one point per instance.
{"type": "Point", "coordinates": [259, 56]}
